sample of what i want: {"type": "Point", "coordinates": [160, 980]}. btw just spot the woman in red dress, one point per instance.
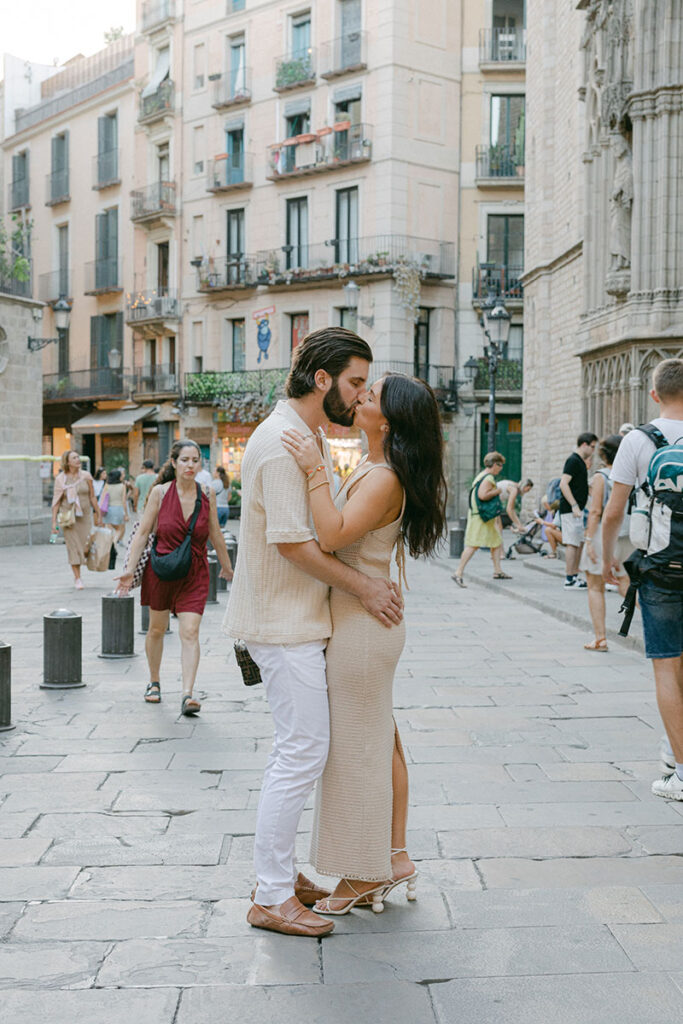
{"type": "Point", "coordinates": [169, 509]}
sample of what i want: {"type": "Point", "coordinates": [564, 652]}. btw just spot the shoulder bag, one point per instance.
{"type": "Point", "coordinates": [176, 564]}
{"type": "Point", "coordinates": [487, 510]}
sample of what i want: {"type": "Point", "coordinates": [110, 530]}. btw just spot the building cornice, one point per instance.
{"type": "Point", "coordinates": [543, 269]}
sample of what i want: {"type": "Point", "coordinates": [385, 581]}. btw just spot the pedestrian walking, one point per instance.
{"type": "Point", "coordinates": [144, 482]}
{"type": "Point", "coordinates": [396, 496]}
{"type": "Point", "coordinates": [573, 498]}
{"type": "Point", "coordinates": [591, 556]}
{"type": "Point", "coordinates": [221, 486]}
{"type": "Point", "coordinates": [113, 501]}
{"type": "Point", "coordinates": [484, 528]}
{"type": "Point", "coordinates": [74, 506]}
{"type": "Point", "coordinates": [279, 605]}
{"type": "Point", "coordinates": [661, 571]}
{"type": "Point", "coordinates": [99, 480]}
{"type": "Point", "coordinates": [177, 508]}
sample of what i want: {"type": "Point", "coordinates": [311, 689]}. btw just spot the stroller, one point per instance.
{"type": "Point", "coordinates": [525, 543]}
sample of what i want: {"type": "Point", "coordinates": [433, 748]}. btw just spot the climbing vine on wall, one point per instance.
{"type": "Point", "coordinates": [407, 282]}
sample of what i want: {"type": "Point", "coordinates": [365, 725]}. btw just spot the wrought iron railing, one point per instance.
{"type": "Point", "coordinates": [57, 187]}
{"type": "Point", "coordinates": [54, 285]}
{"type": "Point", "coordinates": [345, 257]}
{"type": "Point", "coordinates": [157, 103]}
{"type": "Point", "coordinates": [509, 375]}
{"type": "Point", "coordinates": [501, 44]}
{"type": "Point", "coordinates": [231, 88]}
{"type": "Point", "coordinates": [211, 388]}
{"type": "Point", "coordinates": [294, 69]}
{"type": "Point", "coordinates": [152, 304]}
{"type": "Point", "coordinates": [13, 286]}
{"type": "Point", "coordinates": [155, 12]}
{"type": "Point", "coordinates": [500, 162]}
{"type": "Point", "coordinates": [498, 280]}
{"type": "Point", "coordinates": [345, 53]}
{"type": "Point", "coordinates": [102, 276]}
{"type": "Point", "coordinates": [155, 380]}
{"type": "Point", "coordinates": [228, 171]}
{"type": "Point", "coordinates": [322, 150]}
{"type": "Point", "coordinates": [153, 201]}
{"type": "Point", "coordinates": [91, 384]}
{"type": "Point", "coordinates": [238, 271]}
{"type": "Point", "coordinates": [106, 169]}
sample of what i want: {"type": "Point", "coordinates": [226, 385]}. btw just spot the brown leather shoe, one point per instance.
{"type": "Point", "coordinates": [308, 892]}
{"type": "Point", "coordinates": [290, 918]}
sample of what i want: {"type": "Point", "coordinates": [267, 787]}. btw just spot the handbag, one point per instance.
{"type": "Point", "coordinates": [66, 515]}
{"type": "Point", "coordinates": [176, 564]}
{"type": "Point", "coordinates": [488, 510]}
{"type": "Point", "coordinates": [100, 545]}
{"type": "Point", "coordinates": [104, 503]}
{"type": "Point", "coordinates": [142, 560]}
{"type": "Point", "coordinates": [251, 674]}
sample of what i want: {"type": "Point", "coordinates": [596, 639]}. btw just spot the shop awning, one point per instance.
{"type": "Point", "coordinates": [112, 421]}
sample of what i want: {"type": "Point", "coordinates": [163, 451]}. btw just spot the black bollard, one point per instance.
{"type": "Point", "coordinates": [457, 538]}
{"type": "Point", "coordinates": [5, 687]}
{"type": "Point", "coordinates": [62, 643]}
{"type": "Point", "coordinates": [144, 620]}
{"type": "Point", "coordinates": [213, 580]}
{"type": "Point", "coordinates": [118, 627]}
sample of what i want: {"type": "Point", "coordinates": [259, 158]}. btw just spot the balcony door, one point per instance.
{"type": "Point", "coordinates": [297, 233]}
{"type": "Point", "coordinates": [239, 348]}
{"type": "Point", "coordinates": [507, 130]}
{"type": "Point", "coordinates": [350, 15]}
{"type": "Point", "coordinates": [421, 345]}
{"type": "Point", "coordinates": [301, 36]}
{"type": "Point", "coordinates": [505, 248]}
{"type": "Point", "coordinates": [63, 261]}
{"type": "Point", "coordinates": [107, 248]}
{"type": "Point", "coordinates": [162, 268]}
{"type": "Point", "coordinates": [237, 52]}
{"type": "Point", "coordinates": [234, 147]}
{"type": "Point", "coordinates": [107, 148]}
{"type": "Point", "coordinates": [346, 244]}
{"type": "Point", "coordinates": [235, 246]}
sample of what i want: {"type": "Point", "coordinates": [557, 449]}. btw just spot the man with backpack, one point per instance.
{"type": "Point", "coordinates": [650, 459]}
{"type": "Point", "coordinates": [573, 498]}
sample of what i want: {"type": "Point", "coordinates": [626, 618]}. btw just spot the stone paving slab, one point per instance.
{"type": "Point", "coordinates": [56, 964]}
{"type": "Point", "coordinates": [111, 851]}
{"type": "Point", "coordinates": [110, 1006]}
{"type": "Point", "coordinates": [35, 883]}
{"type": "Point", "coordinates": [511, 873]}
{"type": "Point", "coordinates": [71, 920]}
{"type": "Point", "coordinates": [534, 842]}
{"type": "Point", "coordinates": [523, 908]}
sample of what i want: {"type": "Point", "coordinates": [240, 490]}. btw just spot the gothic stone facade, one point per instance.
{"type": "Point", "coordinates": [604, 257]}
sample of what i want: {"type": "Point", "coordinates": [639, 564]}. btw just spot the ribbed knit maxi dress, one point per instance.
{"type": "Point", "coordinates": [352, 824]}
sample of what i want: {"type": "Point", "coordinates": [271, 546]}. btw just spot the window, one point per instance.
{"type": "Point", "coordinates": [107, 149]}
{"type": "Point", "coordinates": [295, 124]}
{"type": "Point", "coordinates": [235, 5]}
{"type": "Point", "coordinates": [346, 247]}
{"type": "Point", "coordinates": [150, 354]}
{"type": "Point", "coordinates": [63, 260]}
{"type": "Point", "coordinates": [198, 235]}
{"type": "Point", "coordinates": [350, 20]}
{"type": "Point", "coordinates": [507, 127]}
{"type": "Point", "coordinates": [162, 268]}
{"type": "Point", "coordinates": [347, 110]}
{"type": "Point", "coordinates": [505, 241]}
{"type": "Point", "coordinates": [199, 66]}
{"type": "Point", "coordinates": [298, 329]}
{"type": "Point", "coordinates": [59, 179]}
{"type": "Point", "coordinates": [234, 165]}
{"type": "Point", "coordinates": [348, 318]}
{"type": "Point", "coordinates": [198, 364]}
{"type": "Point", "coordinates": [297, 233]}
{"type": "Point", "coordinates": [163, 163]}
{"type": "Point", "coordinates": [20, 181]}
{"type": "Point", "coordinates": [106, 333]}
{"type": "Point", "coordinates": [301, 36]}
{"type": "Point", "coordinates": [515, 346]}
{"type": "Point", "coordinates": [107, 249]}
{"type": "Point", "coordinates": [63, 352]}
{"type": "Point", "coordinates": [421, 344]}
{"type": "Point", "coordinates": [198, 149]}
{"type": "Point", "coordinates": [235, 247]}
{"type": "Point", "coordinates": [236, 64]}
{"type": "Point", "coordinates": [239, 348]}
{"type": "Point", "coordinates": [197, 344]}
{"type": "Point", "coordinates": [169, 352]}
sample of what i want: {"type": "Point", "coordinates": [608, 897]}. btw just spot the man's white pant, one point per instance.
{"type": "Point", "coordinates": [296, 688]}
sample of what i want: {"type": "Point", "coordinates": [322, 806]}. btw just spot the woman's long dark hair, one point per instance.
{"type": "Point", "coordinates": [414, 449]}
{"type": "Point", "coordinates": [223, 477]}
{"type": "Point", "coordinates": [167, 471]}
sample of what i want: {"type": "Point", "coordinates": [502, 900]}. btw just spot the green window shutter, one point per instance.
{"type": "Point", "coordinates": [95, 341]}
{"type": "Point", "coordinates": [102, 135]}
{"type": "Point", "coordinates": [118, 331]}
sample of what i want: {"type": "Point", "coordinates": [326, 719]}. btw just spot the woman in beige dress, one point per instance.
{"type": "Point", "coordinates": [395, 496]}
{"type": "Point", "coordinates": [74, 491]}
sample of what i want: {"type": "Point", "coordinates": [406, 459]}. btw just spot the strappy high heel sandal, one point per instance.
{"type": "Point", "coordinates": [410, 881]}
{"type": "Point", "coordinates": [376, 895]}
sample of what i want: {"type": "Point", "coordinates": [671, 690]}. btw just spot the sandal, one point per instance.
{"type": "Point", "coordinates": [409, 880]}
{"type": "Point", "coordinates": [323, 906]}
{"type": "Point", "coordinates": [190, 705]}
{"type": "Point", "coordinates": [501, 576]}
{"type": "Point", "coordinates": [599, 644]}
{"type": "Point", "coordinates": [153, 693]}
{"type": "Point", "coordinates": [459, 580]}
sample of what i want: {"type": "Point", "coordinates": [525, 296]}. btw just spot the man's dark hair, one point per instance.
{"type": "Point", "coordinates": [330, 349]}
{"type": "Point", "coordinates": [586, 438]}
{"type": "Point", "coordinates": [148, 464]}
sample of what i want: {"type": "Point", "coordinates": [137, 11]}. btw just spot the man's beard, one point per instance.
{"type": "Point", "coordinates": [336, 410]}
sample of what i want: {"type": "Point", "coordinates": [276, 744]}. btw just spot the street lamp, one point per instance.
{"type": "Point", "coordinates": [496, 324]}
{"type": "Point", "coordinates": [351, 297]}
{"type": "Point", "coordinates": [62, 314]}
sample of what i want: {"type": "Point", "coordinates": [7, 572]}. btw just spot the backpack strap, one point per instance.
{"type": "Point", "coordinates": [654, 433]}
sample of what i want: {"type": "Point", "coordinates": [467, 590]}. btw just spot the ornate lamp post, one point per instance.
{"type": "Point", "coordinates": [351, 297]}
{"type": "Point", "coordinates": [496, 325]}
{"type": "Point", "coordinates": [62, 315]}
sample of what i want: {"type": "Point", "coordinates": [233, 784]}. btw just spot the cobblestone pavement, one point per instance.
{"type": "Point", "coordinates": [551, 882]}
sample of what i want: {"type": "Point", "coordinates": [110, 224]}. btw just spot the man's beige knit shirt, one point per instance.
{"type": "Point", "coordinates": [271, 600]}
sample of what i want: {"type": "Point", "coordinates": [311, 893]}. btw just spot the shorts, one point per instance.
{"type": "Point", "coordinates": [662, 613]}
{"type": "Point", "coordinates": [572, 529]}
{"type": "Point", "coordinates": [114, 515]}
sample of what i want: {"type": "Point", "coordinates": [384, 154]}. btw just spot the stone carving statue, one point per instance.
{"type": "Point", "coordinates": [621, 202]}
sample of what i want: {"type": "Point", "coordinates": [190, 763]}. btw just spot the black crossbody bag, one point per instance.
{"type": "Point", "coordinates": [176, 564]}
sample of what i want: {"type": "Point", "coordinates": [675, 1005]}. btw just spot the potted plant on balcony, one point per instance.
{"type": "Point", "coordinates": [293, 71]}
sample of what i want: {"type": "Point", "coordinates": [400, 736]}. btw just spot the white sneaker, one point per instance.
{"type": "Point", "coordinates": [667, 759]}
{"type": "Point", "coordinates": [670, 787]}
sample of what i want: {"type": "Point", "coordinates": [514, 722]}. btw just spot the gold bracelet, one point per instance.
{"type": "Point", "coordinates": [322, 483]}
{"type": "Point", "coordinates": [311, 472]}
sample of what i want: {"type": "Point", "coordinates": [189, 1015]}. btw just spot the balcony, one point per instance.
{"type": "Point", "coordinates": [236, 272]}
{"type": "Point", "coordinates": [102, 277]}
{"type": "Point", "coordinates": [500, 166]}
{"type": "Point", "coordinates": [106, 169]}
{"type": "Point", "coordinates": [497, 280]}
{"type": "Point", "coordinates": [91, 385]}
{"type": "Point", "coordinates": [294, 71]}
{"type": "Point", "coordinates": [232, 89]}
{"type": "Point", "coordinates": [13, 286]}
{"type": "Point", "coordinates": [158, 103]}
{"type": "Point", "coordinates": [54, 285]}
{"type": "Point", "coordinates": [151, 307]}
{"type": "Point", "coordinates": [18, 195]}
{"type": "Point", "coordinates": [155, 381]}
{"type": "Point", "coordinates": [155, 13]}
{"type": "Point", "coordinates": [220, 387]}
{"type": "Point", "coordinates": [324, 150]}
{"type": "Point", "coordinates": [153, 203]}
{"type": "Point", "coordinates": [509, 376]}
{"type": "Point", "coordinates": [502, 47]}
{"type": "Point", "coordinates": [343, 55]}
{"type": "Point", "coordinates": [57, 187]}
{"type": "Point", "coordinates": [378, 255]}
{"type": "Point", "coordinates": [227, 172]}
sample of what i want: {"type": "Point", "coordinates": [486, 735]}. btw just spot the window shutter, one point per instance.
{"type": "Point", "coordinates": [102, 135]}
{"type": "Point", "coordinates": [95, 339]}
{"type": "Point", "coordinates": [118, 331]}
{"type": "Point", "coordinates": [113, 233]}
